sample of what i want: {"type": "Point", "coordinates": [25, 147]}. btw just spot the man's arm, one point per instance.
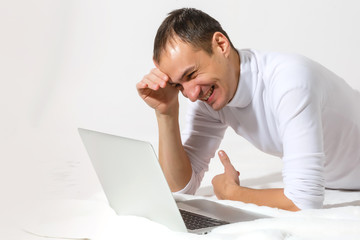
{"type": "Point", "coordinates": [163, 98]}
{"type": "Point", "coordinates": [172, 156]}
{"type": "Point", "coordinates": [227, 186]}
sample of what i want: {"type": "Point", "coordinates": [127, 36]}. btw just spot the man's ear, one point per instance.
{"type": "Point", "coordinates": [221, 43]}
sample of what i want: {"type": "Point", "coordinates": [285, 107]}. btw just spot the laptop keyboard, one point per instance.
{"type": "Point", "coordinates": [196, 221]}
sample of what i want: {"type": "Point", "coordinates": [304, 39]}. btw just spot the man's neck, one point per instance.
{"type": "Point", "coordinates": [235, 61]}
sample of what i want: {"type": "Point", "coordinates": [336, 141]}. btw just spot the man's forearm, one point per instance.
{"type": "Point", "coordinates": [172, 156]}
{"type": "Point", "coordinates": [262, 197]}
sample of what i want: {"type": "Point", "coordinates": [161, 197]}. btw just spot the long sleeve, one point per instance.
{"type": "Point", "coordinates": [201, 138]}
{"type": "Point", "coordinates": [297, 102]}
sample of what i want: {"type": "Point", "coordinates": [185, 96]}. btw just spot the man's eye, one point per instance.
{"type": "Point", "coordinates": [191, 75]}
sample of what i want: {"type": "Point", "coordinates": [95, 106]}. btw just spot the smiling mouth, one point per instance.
{"type": "Point", "coordinates": [208, 94]}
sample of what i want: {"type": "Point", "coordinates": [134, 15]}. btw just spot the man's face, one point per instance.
{"type": "Point", "coordinates": [197, 75]}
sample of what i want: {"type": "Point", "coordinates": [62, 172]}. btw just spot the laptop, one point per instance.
{"type": "Point", "coordinates": [134, 184]}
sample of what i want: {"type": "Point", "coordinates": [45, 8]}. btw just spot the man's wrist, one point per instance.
{"type": "Point", "coordinates": [233, 192]}
{"type": "Point", "coordinates": [170, 115]}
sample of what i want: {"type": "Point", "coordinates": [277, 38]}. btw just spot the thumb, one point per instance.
{"type": "Point", "coordinates": [226, 161]}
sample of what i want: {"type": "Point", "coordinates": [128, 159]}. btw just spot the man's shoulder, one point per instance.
{"type": "Point", "coordinates": [274, 58]}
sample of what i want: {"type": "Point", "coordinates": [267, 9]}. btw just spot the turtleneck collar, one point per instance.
{"type": "Point", "coordinates": [247, 81]}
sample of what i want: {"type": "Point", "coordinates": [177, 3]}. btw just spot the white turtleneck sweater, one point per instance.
{"type": "Point", "coordinates": [291, 107]}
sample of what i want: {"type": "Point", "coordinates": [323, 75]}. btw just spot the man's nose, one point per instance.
{"type": "Point", "coordinates": [191, 91]}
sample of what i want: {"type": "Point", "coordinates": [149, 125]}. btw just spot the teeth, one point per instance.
{"type": "Point", "coordinates": [208, 94]}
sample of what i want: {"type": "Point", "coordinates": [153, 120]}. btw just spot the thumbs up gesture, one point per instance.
{"type": "Point", "coordinates": [224, 184]}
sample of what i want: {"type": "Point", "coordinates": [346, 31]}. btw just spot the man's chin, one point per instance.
{"type": "Point", "coordinates": [216, 107]}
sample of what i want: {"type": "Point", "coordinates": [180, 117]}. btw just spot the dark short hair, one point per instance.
{"type": "Point", "coordinates": [191, 26]}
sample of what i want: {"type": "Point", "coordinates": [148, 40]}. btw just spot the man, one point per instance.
{"type": "Point", "coordinates": [285, 105]}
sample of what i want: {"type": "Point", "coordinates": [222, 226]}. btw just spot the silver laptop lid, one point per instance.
{"type": "Point", "coordinates": [131, 177]}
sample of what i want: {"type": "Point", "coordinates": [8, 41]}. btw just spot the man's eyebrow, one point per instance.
{"type": "Point", "coordinates": [186, 72]}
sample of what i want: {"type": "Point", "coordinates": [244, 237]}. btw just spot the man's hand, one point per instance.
{"type": "Point", "coordinates": [155, 90]}
{"type": "Point", "coordinates": [225, 183]}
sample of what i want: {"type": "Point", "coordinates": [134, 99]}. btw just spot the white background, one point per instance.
{"type": "Point", "coordinates": [68, 64]}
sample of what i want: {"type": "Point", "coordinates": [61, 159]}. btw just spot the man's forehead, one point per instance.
{"type": "Point", "coordinates": [172, 49]}
{"type": "Point", "coordinates": [176, 50]}
{"type": "Point", "coordinates": [178, 59]}
{"type": "Point", "coordinates": [175, 44]}
{"type": "Point", "coordinates": [177, 65]}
